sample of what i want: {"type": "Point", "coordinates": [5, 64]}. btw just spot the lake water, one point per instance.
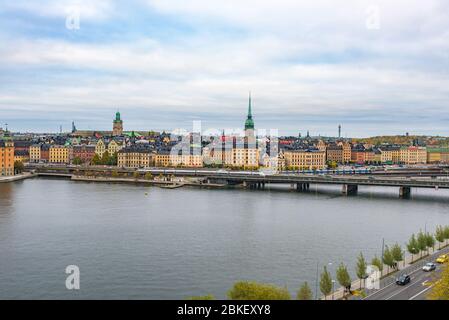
{"type": "Point", "coordinates": [136, 242]}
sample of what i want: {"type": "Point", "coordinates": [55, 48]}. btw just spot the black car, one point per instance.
{"type": "Point", "coordinates": [402, 280]}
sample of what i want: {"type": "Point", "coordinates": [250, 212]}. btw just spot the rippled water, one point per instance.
{"type": "Point", "coordinates": [148, 243]}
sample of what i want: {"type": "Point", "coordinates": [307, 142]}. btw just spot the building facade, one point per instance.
{"type": "Point", "coordinates": [305, 159]}
{"type": "Point", "coordinates": [117, 125]}
{"type": "Point", "coordinates": [59, 154]}
{"type": "Point", "coordinates": [6, 157]}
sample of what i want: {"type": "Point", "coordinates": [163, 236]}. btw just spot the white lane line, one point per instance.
{"type": "Point", "coordinates": [418, 294]}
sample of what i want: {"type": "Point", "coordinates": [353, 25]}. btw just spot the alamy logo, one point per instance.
{"type": "Point", "coordinates": [72, 282]}
{"type": "Point", "coordinates": [373, 280]}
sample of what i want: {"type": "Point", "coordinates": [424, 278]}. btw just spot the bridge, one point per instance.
{"type": "Point", "coordinates": [435, 179]}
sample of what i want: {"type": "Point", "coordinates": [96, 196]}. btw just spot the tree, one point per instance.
{"type": "Point", "coordinates": [18, 167]}
{"type": "Point", "coordinates": [96, 160]}
{"type": "Point", "coordinates": [304, 292]}
{"type": "Point", "coordinates": [105, 158]}
{"type": "Point", "coordinates": [77, 161]}
{"type": "Point", "coordinates": [446, 233]}
{"type": "Point", "coordinates": [115, 174]}
{"type": "Point", "coordinates": [412, 246]}
{"type": "Point", "coordinates": [148, 176]}
{"type": "Point", "coordinates": [202, 298]}
{"type": "Point", "coordinates": [343, 277]}
{"type": "Point", "coordinates": [361, 268]}
{"type": "Point", "coordinates": [246, 290]}
{"type": "Point", "coordinates": [422, 242]}
{"type": "Point", "coordinates": [440, 291]}
{"type": "Point", "coordinates": [377, 263]}
{"type": "Point", "coordinates": [136, 175]}
{"type": "Point", "coordinates": [326, 282]}
{"type": "Point", "coordinates": [430, 242]}
{"type": "Point", "coordinates": [396, 252]}
{"type": "Point", "coordinates": [440, 236]}
{"type": "Point", "coordinates": [388, 258]}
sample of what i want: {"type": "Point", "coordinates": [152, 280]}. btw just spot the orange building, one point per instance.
{"type": "Point", "coordinates": [6, 157]}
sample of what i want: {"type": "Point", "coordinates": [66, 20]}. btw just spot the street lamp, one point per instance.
{"type": "Point", "coordinates": [333, 288]}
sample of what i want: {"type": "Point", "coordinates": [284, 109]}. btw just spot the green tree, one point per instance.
{"type": "Point", "coordinates": [343, 277]}
{"type": "Point", "coordinates": [377, 263]}
{"type": "Point", "coordinates": [105, 158]}
{"type": "Point", "coordinates": [396, 252]}
{"type": "Point", "coordinates": [77, 161]}
{"type": "Point", "coordinates": [326, 282]}
{"type": "Point", "coordinates": [412, 246]}
{"type": "Point", "coordinates": [148, 176]}
{"type": "Point", "coordinates": [422, 242]}
{"type": "Point", "coordinates": [439, 236]}
{"type": "Point", "coordinates": [446, 233]}
{"type": "Point", "coordinates": [202, 298]}
{"type": "Point", "coordinates": [115, 174]}
{"type": "Point", "coordinates": [430, 241]}
{"type": "Point", "coordinates": [361, 268]}
{"type": "Point", "coordinates": [18, 167]}
{"type": "Point", "coordinates": [136, 175]}
{"type": "Point", "coordinates": [388, 259]}
{"type": "Point", "coordinates": [112, 161]}
{"type": "Point", "coordinates": [246, 290]}
{"type": "Point", "coordinates": [304, 292]}
{"type": "Point", "coordinates": [96, 160]}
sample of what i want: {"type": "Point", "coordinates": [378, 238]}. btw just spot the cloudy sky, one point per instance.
{"type": "Point", "coordinates": [376, 67]}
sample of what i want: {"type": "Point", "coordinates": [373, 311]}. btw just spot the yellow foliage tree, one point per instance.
{"type": "Point", "coordinates": [440, 291]}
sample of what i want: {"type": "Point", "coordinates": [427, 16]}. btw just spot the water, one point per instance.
{"type": "Point", "coordinates": [172, 244]}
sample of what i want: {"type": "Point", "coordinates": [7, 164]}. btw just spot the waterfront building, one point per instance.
{"type": "Point", "coordinates": [21, 156]}
{"type": "Point", "coordinates": [136, 156]}
{"type": "Point", "coordinates": [117, 125]}
{"type": "Point", "coordinates": [6, 156]}
{"type": "Point", "coordinates": [413, 155]}
{"type": "Point", "coordinates": [114, 146]}
{"type": "Point", "coordinates": [111, 146]}
{"type": "Point", "coordinates": [84, 152]}
{"type": "Point", "coordinates": [100, 148]}
{"type": "Point", "coordinates": [334, 153]}
{"type": "Point", "coordinates": [304, 159]}
{"type": "Point", "coordinates": [162, 158]}
{"type": "Point", "coordinates": [242, 157]}
{"type": "Point", "coordinates": [59, 154]}
{"type": "Point", "coordinates": [390, 154]}
{"type": "Point", "coordinates": [45, 153]}
{"type": "Point", "coordinates": [438, 155]}
{"type": "Point", "coordinates": [35, 153]}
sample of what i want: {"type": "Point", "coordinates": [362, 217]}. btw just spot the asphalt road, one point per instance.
{"type": "Point", "coordinates": [417, 289]}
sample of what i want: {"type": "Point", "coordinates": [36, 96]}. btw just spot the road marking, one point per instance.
{"type": "Point", "coordinates": [420, 293]}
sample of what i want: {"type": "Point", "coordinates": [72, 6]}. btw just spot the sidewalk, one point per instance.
{"type": "Point", "coordinates": [388, 274]}
{"type": "Point", "coordinates": [17, 177]}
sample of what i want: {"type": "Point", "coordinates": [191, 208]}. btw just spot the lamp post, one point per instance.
{"type": "Point", "coordinates": [333, 289]}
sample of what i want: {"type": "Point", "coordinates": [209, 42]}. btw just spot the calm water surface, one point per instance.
{"type": "Point", "coordinates": [149, 243]}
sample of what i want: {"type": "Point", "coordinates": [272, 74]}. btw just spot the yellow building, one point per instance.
{"type": "Point", "coordinates": [136, 156]}
{"type": "Point", "coordinates": [114, 146]}
{"type": "Point", "coordinates": [35, 153]}
{"type": "Point", "coordinates": [305, 159]}
{"type": "Point", "coordinates": [242, 158]}
{"type": "Point", "coordinates": [437, 155]}
{"type": "Point", "coordinates": [100, 148]}
{"type": "Point", "coordinates": [59, 154]}
{"type": "Point", "coordinates": [6, 157]}
{"type": "Point", "coordinates": [186, 160]}
{"type": "Point", "coordinates": [413, 155]}
{"type": "Point", "coordinates": [21, 156]}
{"type": "Point", "coordinates": [162, 159]}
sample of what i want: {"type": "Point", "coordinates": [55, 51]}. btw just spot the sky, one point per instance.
{"type": "Point", "coordinates": [375, 67]}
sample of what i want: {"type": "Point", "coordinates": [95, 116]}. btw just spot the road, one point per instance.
{"type": "Point", "coordinates": [417, 289]}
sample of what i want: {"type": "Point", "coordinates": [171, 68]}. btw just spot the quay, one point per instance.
{"type": "Point", "coordinates": [256, 180]}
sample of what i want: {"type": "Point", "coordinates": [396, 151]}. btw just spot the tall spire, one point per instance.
{"type": "Point", "coordinates": [249, 123]}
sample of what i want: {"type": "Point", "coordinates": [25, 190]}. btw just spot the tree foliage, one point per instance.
{"type": "Point", "coordinates": [361, 267]}
{"type": "Point", "coordinates": [326, 282]}
{"type": "Point", "coordinates": [246, 290]}
{"type": "Point", "coordinates": [377, 263]}
{"type": "Point", "coordinates": [388, 257]}
{"type": "Point", "coordinates": [18, 167]}
{"type": "Point", "coordinates": [202, 298]}
{"type": "Point", "coordinates": [396, 252]}
{"type": "Point", "coordinates": [440, 291]}
{"type": "Point", "coordinates": [304, 292]}
{"type": "Point", "coordinates": [343, 277]}
{"type": "Point", "coordinates": [412, 245]}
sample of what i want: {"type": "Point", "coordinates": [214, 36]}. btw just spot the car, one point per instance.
{"type": "Point", "coordinates": [430, 266]}
{"type": "Point", "coordinates": [443, 258]}
{"type": "Point", "coordinates": [403, 279]}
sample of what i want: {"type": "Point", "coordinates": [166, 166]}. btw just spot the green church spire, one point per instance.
{"type": "Point", "coordinates": [249, 123]}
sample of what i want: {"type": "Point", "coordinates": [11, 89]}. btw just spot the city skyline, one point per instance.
{"type": "Point", "coordinates": [375, 70]}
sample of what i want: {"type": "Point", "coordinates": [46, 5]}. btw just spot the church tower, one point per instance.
{"type": "Point", "coordinates": [117, 126]}
{"type": "Point", "coordinates": [249, 123]}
